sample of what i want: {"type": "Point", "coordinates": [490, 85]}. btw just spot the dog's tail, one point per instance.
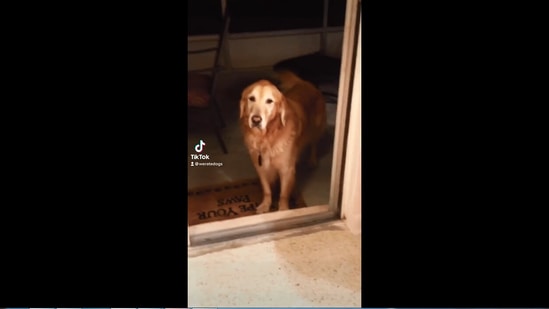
{"type": "Point", "coordinates": [287, 79]}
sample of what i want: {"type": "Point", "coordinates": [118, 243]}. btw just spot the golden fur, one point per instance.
{"type": "Point", "coordinates": [277, 126]}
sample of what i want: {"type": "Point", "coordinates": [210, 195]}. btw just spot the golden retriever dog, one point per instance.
{"type": "Point", "coordinates": [278, 123]}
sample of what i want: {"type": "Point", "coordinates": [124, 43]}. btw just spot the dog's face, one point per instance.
{"type": "Point", "coordinates": [261, 103]}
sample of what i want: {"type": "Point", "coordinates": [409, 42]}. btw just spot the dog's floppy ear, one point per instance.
{"type": "Point", "coordinates": [244, 99]}
{"type": "Point", "coordinates": [283, 104]}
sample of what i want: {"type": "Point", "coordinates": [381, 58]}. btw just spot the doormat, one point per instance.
{"type": "Point", "coordinates": [230, 200]}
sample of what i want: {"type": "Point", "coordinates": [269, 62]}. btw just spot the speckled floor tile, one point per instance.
{"type": "Point", "coordinates": [319, 269]}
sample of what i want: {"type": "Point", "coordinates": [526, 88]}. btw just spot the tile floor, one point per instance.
{"type": "Point", "coordinates": [317, 269]}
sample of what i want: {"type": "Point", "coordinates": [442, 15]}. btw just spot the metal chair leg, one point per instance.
{"type": "Point", "coordinates": [220, 139]}
{"type": "Point", "coordinates": [219, 114]}
{"type": "Point", "coordinates": [217, 128]}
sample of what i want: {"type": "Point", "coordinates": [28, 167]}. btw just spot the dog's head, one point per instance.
{"type": "Point", "coordinates": [261, 103]}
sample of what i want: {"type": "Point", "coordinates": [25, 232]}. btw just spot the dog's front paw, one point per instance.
{"type": "Point", "coordinates": [283, 204]}
{"type": "Point", "coordinates": [263, 208]}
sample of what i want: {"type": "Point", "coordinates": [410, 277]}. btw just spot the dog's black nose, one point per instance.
{"type": "Point", "coordinates": [256, 120]}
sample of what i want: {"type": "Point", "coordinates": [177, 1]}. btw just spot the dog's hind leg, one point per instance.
{"type": "Point", "coordinates": [313, 161]}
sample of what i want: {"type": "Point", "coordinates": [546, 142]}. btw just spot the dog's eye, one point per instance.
{"type": "Point", "coordinates": [269, 101]}
{"type": "Point", "coordinates": [252, 98]}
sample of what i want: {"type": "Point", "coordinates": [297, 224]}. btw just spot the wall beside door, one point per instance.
{"type": "Point", "coordinates": [265, 51]}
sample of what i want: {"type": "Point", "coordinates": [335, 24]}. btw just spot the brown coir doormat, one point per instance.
{"type": "Point", "coordinates": [230, 200]}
